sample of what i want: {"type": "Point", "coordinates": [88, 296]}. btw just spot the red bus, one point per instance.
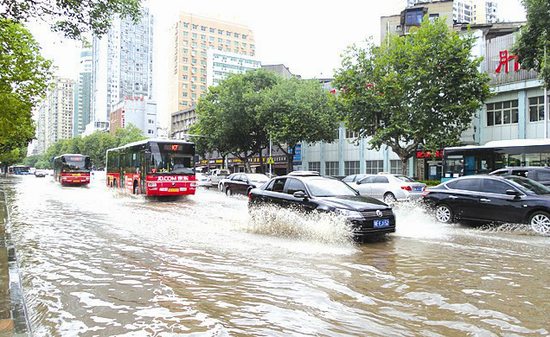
{"type": "Point", "coordinates": [154, 167]}
{"type": "Point", "coordinates": [72, 169]}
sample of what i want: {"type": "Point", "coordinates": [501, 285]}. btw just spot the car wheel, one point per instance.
{"type": "Point", "coordinates": [444, 213]}
{"type": "Point", "coordinates": [540, 222]}
{"type": "Point", "coordinates": [389, 198]}
{"type": "Point", "coordinates": [228, 192]}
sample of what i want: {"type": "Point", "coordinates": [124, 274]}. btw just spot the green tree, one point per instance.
{"type": "Point", "coordinates": [128, 135]}
{"type": "Point", "coordinates": [24, 77]}
{"type": "Point", "coordinates": [418, 91]}
{"type": "Point", "coordinates": [96, 145]}
{"type": "Point", "coordinates": [31, 161]}
{"type": "Point", "coordinates": [12, 157]}
{"type": "Point", "coordinates": [229, 116]}
{"type": "Point", "coordinates": [71, 17]}
{"type": "Point", "coordinates": [533, 43]}
{"type": "Point", "coordinates": [296, 111]}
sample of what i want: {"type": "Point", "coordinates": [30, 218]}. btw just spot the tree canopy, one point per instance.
{"type": "Point", "coordinates": [71, 17]}
{"type": "Point", "coordinates": [533, 43]}
{"type": "Point", "coordinates": [242, 113]}
{"type": "Point", "coordinates": [295, 111]}
{"type": "Point", "coordinates": [24, 77]}
{"type": "Point", "coordinates": [418, 91]}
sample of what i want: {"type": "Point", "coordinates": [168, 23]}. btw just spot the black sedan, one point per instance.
{"type": "Point", "coordinates": [242, 183]}
{"type": "Point", "coordinates": [307, 193]}
{"type": "Point", "coordinates": [507, 199]}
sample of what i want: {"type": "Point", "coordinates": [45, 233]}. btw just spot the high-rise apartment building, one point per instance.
{"type": "Point", "coordinates": [468, 11]}
{"type": "Point", "coordinates": [193, 37]}
{"type": "Point", "coordinates": [82, 105]}
{"type": "Point", "coordinates": [122, 65]}
{"type": "Point", "coordinates": [40, 133]}
{"type": "Point", "coordinates": [220, 64]}
{"type": "Point", "coordinates": [59, 111]}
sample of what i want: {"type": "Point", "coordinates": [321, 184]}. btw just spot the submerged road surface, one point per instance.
{"type": "Point", "coordinates": [97, 262]}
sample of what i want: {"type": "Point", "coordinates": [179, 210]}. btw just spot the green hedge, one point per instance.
{"type": "Point", "coordinates": [430, 182]}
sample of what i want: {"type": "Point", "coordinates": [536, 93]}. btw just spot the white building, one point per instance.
{"type": "Point", "coordinates": [220, 64]}
{"type": "Point", "coordinates": [139, 111]}
{"type": "Point", "coordinates": [59, 111]}
{"type": "Point", "coordinates": [122, 65]}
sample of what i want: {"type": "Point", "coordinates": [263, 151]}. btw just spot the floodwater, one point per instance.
{"type": "Point", "coordinates": [97, 262]}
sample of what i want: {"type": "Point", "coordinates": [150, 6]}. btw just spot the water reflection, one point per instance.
{"type": "Point", "coordinates": [99, 262]}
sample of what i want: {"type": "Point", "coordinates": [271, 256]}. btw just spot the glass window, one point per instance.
{"type": "Point", "coordinates": [278, 185]}
{"type": "Point", "coordinates": [528, 185]}
{"type": "Point", "coordinates": [536, 109]}
{"type": "Point", "coordinates": [314, 166]}
{"type": "Point", "coordinates": [332, 168]}
{"type": "Point", "coordinates": [381, 180]}
{"type": "Point", "coordinates": [295, 185]}
{"type": "Point", "coordinates": [374, 166]}
{"type": "Point", "coordinates": [468, 184]}
{"type": "Point", "coordinates": [502, 113]}
{"type": "Point", "coordinates": [351, 167]}
{"type": "Point", "coordinates": [323, 187]}
{"type": "Point", "coordinates": [494, 186]}
{"type": "Point", "coordinates": [543, 175]}
{"type": "Point", "coordinates": [396, 166]}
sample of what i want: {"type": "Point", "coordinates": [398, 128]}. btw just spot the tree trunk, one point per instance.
{"type": "Point", "coordinates": [405, 165]}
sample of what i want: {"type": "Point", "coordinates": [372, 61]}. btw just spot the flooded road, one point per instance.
{"type": "Point", "coordinates": [97, 262]}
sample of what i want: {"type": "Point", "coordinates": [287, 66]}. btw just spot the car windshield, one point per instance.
{"type": "Point", "coordinates": [529, 185]}
{"type": "Point", "coordinates": [257, 177]}
{"type": "Point", "coordinates": [405, 178]}
{"type": "Point", "coordinates": [322, 187]}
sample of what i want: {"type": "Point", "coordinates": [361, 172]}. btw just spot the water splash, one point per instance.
{"type": "Point", "coordinates": [315, 226]}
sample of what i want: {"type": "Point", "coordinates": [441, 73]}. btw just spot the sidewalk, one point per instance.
{"type": "Point", "coordinates": [13, 314]}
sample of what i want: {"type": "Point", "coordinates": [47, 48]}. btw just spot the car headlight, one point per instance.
{"type": "Point", "coordinates": [348, 213]}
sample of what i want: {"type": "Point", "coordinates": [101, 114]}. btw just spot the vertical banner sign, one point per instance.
{"type": "Point", "coordinates": [123, 119]}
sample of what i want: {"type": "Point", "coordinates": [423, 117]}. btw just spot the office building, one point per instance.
{"type": "Point", "coordinates": [220, 64]}
{"type": "Point", "coordinates": [122, 65]}
{"type": "Point", "coordinates": [194, 36]}
{"type": "Point", "coordinates": [59, 111]}
{"type": "Point", "coordinates": [138, 111]}
{"type": "Point", "coordinates": [83, 103]}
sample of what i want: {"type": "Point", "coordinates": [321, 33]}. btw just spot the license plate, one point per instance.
{"type": "Point", "coordinates": [381, 223]}
{"type": "Point", "coordinates": [418, 188]}
{"type": "Point", "coordinates": [76, 181]}
{"type": "Point", "coordinates": [173, 190]}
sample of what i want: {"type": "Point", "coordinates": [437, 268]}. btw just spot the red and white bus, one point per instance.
{"type": "Point", "coordinates": [154, 167]}
{"type": "Point", "coordinates": [72, 169]}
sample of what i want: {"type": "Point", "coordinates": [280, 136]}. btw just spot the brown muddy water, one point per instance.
{"type": "Point", "coordinates": [97, 262]}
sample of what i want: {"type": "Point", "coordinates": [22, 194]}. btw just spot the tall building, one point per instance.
{"type": "Point", "coordinates": [82, 108]}
{"type": "Point", "coordinates": [59, 111]}
{"type": "Point", "coordinates": [220, 64]}
{"type": "Point", "coordinates": [122, 65]}
{"type": "Point", "coordinates": [40, 144]}
{"type": "Point", "coordinates": [194, 36]}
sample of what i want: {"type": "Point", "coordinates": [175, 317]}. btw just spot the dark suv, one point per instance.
{"type": "Point", "coordinates": [537, 173]}
{"type": "Point", "coordinates": [307, 192]}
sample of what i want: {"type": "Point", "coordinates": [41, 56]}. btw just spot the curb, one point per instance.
{"type": "Point", "coordinates": [14, 320]}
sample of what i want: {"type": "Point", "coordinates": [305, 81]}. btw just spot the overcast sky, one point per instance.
{"type": "Point", "coordinates": [305, 35]}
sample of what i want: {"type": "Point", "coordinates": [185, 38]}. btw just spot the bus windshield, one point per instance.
{"type": "Point", "coordinates": [167, 161]}
{"type": "Point", "coordinates": [76, 163]}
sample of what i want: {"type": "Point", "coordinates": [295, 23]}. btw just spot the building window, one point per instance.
{"type": "Point", "coordinates": [211, 39]}
{"type": "Point", "coordinates": [193, 96]}
{"type": "Point", "coordinates": [203, 37]}
{"type": "Point", "coordinates": [220, 31]}
{"type": "Point", "coordinates": [351, 167]}
{"type": "Point", "coordinates": [314, 166]}
{"type": "Point", "coordinates": [150, 121]}
{"type": "Point", "coordinates": [185, 33]}
{"type": "Point", "coordinates": [228, 33]}
{"type": "Point", "coordinates": [185, 43]}
{"type": "Point", "coordinates": [203, 28]}
{"type": "Point", "coordinates": [185, 77]}
{"type": "Point", "coordinates": [203, 46]}
{"type": "Point", "coordinates": [536, 109]}
{"type": "Point", "coordinates": [193, 86]}
{"type": "Point", "coordinates": [332, 168]}
{"type": "Point", "coordinates": [244, 37]}
{"type": "Point", "coordinates": [396, 167]}
{"type": "Point", "coordinates": [414, 17]}
{"type": "Point", "coordinates": [184, 94]}
{"type": "Point", "coordinates": [502, 113]}
{"type": "Point", "coordinates": [185, 51]}
{"type": "Point", "coordinates": [351, 134]}
{"type": "Point", "coordinates": [374, 166]}
{"type": "Point", "coordinates": [194, 35]}
{"type": "Point", "coordinates": [203, 87]}
{"type": "Point", "coordinates": [185, 86]}
{"type": "Point", "coordinates": [186, 24]}
{"type": "Point", "coordinates": [194, 44]}
{"type": "Point", "coordinates": [150, 132]}
{"type": "Point", "coordinates": [185, 59]}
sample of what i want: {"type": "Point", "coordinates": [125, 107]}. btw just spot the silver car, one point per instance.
{"type": "Point", "coordinates": [389, 187]}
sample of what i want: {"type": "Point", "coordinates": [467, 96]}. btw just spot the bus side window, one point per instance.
{"type": "Point", "coordinates": [521, 173]}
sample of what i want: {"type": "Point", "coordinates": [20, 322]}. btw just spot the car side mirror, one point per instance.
{"type": "Point", "coordinates": [512, 192]}
{"type": "Point", "coordinates": [359, 182]}
{"type": "Point", "coordinates": [299, 195]}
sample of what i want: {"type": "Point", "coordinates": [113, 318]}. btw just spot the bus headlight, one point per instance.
{"type": "Point", "coordinates": [152, 184]}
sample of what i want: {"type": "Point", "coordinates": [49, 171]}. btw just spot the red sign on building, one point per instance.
{"type": "Point", "coordinates": [505, 61]}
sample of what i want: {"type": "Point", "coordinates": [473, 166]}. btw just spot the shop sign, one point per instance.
{"type": "Point", "coordinates": [428, 154]}
{"type": "Point", "coordinates": [505, 61]}
{"type": "Point", "coordinates": [297, 154]}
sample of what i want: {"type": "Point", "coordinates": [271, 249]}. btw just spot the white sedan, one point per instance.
{"type": "Point", "coordinates": [389, 187]}
{"type": "Point", "coordinates": [203, 180]}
